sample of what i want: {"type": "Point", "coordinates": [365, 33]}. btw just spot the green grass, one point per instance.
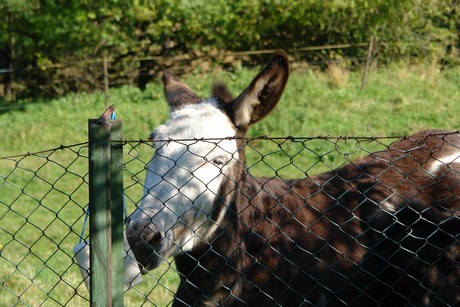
{"type": "Point", "coordinates": [43, 196]}
{"type": "Point", "coordinates": [397, 100]}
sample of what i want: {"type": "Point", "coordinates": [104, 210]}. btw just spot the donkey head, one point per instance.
{"type": "Point", "coordinates": [197, 158]}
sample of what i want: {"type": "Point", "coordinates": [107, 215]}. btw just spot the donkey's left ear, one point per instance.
{"type": "Point", "coordinates": [178, 93]}
{"type": "Point", "coordinates": [262, 95]}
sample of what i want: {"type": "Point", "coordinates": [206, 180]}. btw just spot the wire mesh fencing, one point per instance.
{"type": "Point", "coordinates": [42, 207]}
{"type": "Point", "coordinates": [44, 199]}
{"type": "Point", "coordinates": [305, 221]}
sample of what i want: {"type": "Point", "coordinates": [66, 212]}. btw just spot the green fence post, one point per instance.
{"type": "Point", "coordinates": [118, 253]}
{"type": "Point", "coordinates": [106, 238]}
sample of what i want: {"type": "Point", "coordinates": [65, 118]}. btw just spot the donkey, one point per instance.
{"type": "Point", "coordinates": [380, 230]}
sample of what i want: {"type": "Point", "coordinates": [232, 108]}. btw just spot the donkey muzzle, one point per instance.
{"type": "Point", "coordinates": [147, 242]}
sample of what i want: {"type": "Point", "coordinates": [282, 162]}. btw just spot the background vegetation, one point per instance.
{"type": "Point", "coordinates": [52, 47]}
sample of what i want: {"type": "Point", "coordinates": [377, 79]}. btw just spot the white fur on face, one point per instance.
{"type": "Point", "coordinates": [184, 176]}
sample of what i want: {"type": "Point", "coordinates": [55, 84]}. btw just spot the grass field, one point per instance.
{"type": "Point", "coordinates": [43, 196]}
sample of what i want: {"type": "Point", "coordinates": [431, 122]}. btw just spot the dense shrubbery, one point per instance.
{"type": "Point", "coordinates": [52, 46]}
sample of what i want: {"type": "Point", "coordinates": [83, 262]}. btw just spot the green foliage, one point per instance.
{"type": "Point", "coordinates": [53, 45]}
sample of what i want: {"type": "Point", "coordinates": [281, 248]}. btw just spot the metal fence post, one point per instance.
{"type": "Point", "coordinates": [106, 238]}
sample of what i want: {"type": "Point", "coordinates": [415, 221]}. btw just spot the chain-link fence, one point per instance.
{"type": "Point", "coordinates": [42, 207]}
{"type": "Point", "coordinates": [44, 198]}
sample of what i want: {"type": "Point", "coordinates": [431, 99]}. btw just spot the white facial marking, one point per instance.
{"type": "Point", "coordinates": [444, 161]}
{"type": "Point", "coordinates": [184, 176]}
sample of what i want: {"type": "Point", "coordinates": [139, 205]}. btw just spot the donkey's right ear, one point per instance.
{"type": "Point", "coordinates": [262, 95]}
{"type": "Point", "coordinates": [178, 93]}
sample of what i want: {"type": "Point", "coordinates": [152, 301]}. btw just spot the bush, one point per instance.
{"type": "Point", "coordinates": [52, 48]}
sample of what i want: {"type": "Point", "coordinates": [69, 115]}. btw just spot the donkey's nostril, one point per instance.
{"type": "Point", "coordinates": [144, 232]}
{"type": "Point", "coordinates": [154, 237]}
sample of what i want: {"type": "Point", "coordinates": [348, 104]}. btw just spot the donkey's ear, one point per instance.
{"type": "Point", "coordinates": [262, 95]}
{"type": "Point", "coordinates": [177, 93]}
